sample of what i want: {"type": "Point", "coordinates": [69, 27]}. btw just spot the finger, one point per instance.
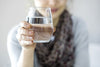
{"type": "Point", "coordinates": [23, 42]}
{"type": "Point", "coordinates": [25, 24]}
{"type": "Point", "coordinates": [26, 38]}
{"type": "Point", "coordinates": [24, 31]}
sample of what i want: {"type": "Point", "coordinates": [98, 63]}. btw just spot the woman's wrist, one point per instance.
{"type": "Point", "coordinates": [26, 58]}
{"type": "Point", "coordinates": [29, 47]}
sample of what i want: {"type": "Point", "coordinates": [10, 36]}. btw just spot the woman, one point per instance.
{"type": "Point", "coordinates": [68, 49]}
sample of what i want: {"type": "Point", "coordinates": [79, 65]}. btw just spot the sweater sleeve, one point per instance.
{"type": "Point", "coordinates": [81, 43]}
{"type": "Point", "coordinates": [14, 49]}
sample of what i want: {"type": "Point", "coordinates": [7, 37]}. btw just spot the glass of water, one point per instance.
{"type": "Point", "coordinates": [42, 25]}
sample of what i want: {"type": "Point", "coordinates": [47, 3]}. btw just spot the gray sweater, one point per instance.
{"type": "Point", "coordinates": [80, 43]}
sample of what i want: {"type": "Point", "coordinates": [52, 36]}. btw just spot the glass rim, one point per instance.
{"type": "Point", "coordinates": [40, 8]}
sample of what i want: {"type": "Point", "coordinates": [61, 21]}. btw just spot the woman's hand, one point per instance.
{"type": "Point", "coordinates": [25, 36]}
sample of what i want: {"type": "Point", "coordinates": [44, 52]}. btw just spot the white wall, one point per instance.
{"type": "Point", "coordinates": [13, 11]}
{"type": "Point", "coordinates": [89, 10]}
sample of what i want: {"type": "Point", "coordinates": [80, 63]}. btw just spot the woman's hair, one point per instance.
{"type": "Point", "coordinates": [69, 5]}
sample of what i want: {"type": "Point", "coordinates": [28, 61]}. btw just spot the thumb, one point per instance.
{"type": "Point", "coordinates": [25, 24]}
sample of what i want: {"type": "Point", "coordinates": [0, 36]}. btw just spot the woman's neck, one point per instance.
{"type": "Point", "coordinates": [55, 21]}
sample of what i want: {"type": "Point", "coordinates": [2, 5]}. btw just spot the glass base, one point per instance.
{"type": "Point", "coordinates": [42, 41]}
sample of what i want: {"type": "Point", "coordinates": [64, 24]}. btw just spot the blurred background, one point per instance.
{"type": "Point", "coordinates": [13, 11]}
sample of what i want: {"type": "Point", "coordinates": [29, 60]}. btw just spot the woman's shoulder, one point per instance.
{"type": "Point", "coordinates": [78, 24]}
{"type": "Point", "coordinates": [13, 30]}
{"type": "Point", "coordinates": [77, 20]}
{"type": "Point", "coordinates": [11, 38]}
{"type": "Point", "coordinates": [80, 31]}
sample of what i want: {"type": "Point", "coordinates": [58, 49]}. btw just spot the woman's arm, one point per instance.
{"type": "Point", "coordinates": [81, 43]}
{"type": "Point", "coordinates": [21, 49]}
{"type": "Point", "coordinates": [25, 37]}
{"type": "Point", "coordinates": [26, 58]}
{"type": "Point", "coordinates": [18, 55]}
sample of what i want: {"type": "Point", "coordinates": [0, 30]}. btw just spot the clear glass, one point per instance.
{"type": "Point", "coordinates": [42, 25]}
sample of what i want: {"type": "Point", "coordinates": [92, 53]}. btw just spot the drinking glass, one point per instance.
{"type": "Point", "coordinates": [42, 25]}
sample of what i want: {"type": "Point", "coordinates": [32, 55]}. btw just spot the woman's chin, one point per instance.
{"type": "Point", "coordinates": [55, 14]}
